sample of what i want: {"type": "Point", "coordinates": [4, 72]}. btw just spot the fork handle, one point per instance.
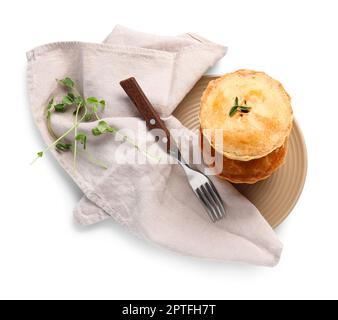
{"type": "Point", "coordinates": [144, 106]}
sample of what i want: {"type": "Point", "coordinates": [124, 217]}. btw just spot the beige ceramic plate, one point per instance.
{"type": "Point", "coordinates": [276, 196]}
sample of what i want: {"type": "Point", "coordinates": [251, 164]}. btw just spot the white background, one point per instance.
{"type": "Point", "coordinates": [44, 254]}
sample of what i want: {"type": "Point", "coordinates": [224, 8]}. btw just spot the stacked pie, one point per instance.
{"type": "Point", "coordinates": [246, 117]}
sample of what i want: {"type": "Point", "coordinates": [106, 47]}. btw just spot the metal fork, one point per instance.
{"type": "Point", "coordinates": [205, 191]}
{"type": "Point", "coordinates": [202, 186]}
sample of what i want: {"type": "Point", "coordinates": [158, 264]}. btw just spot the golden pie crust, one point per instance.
{"type": "Point", "coordinates": [252, 171]}
{"type": "Point", "coordinates": [252, 135]}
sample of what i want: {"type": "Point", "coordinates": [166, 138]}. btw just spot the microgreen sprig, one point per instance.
{"type": "Point", "coordinates": [62, 147]}
{"type": "Point", "coordinates": [101, 128]}
{"type": "Point", "coordinates": [95, 103]}
{"type": "Point", "coordinates": [72, 99]}
{"type": "Point", "coordinates": [83, 110]}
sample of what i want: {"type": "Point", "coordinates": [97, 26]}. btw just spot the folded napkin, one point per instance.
{"type": "Point", "coordinates": [154, 201]}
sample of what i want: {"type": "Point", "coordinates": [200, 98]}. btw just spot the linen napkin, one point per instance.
{"type": "Point", "coordinates": [154, 201]}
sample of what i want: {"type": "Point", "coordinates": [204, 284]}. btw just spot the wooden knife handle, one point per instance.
{"type": "Point", "coordinates": [143, 105]}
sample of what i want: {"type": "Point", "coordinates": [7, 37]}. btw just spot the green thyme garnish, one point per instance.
{"type": "Point", "coordinates": [241, 108]}
{"type": "Point", "coordinates": [233, 111]}
{"type": "Point", "coordinates": [244, 109]}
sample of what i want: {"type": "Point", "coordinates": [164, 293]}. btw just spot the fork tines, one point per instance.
{"type": "Point", "coordinates": [211, 200]}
